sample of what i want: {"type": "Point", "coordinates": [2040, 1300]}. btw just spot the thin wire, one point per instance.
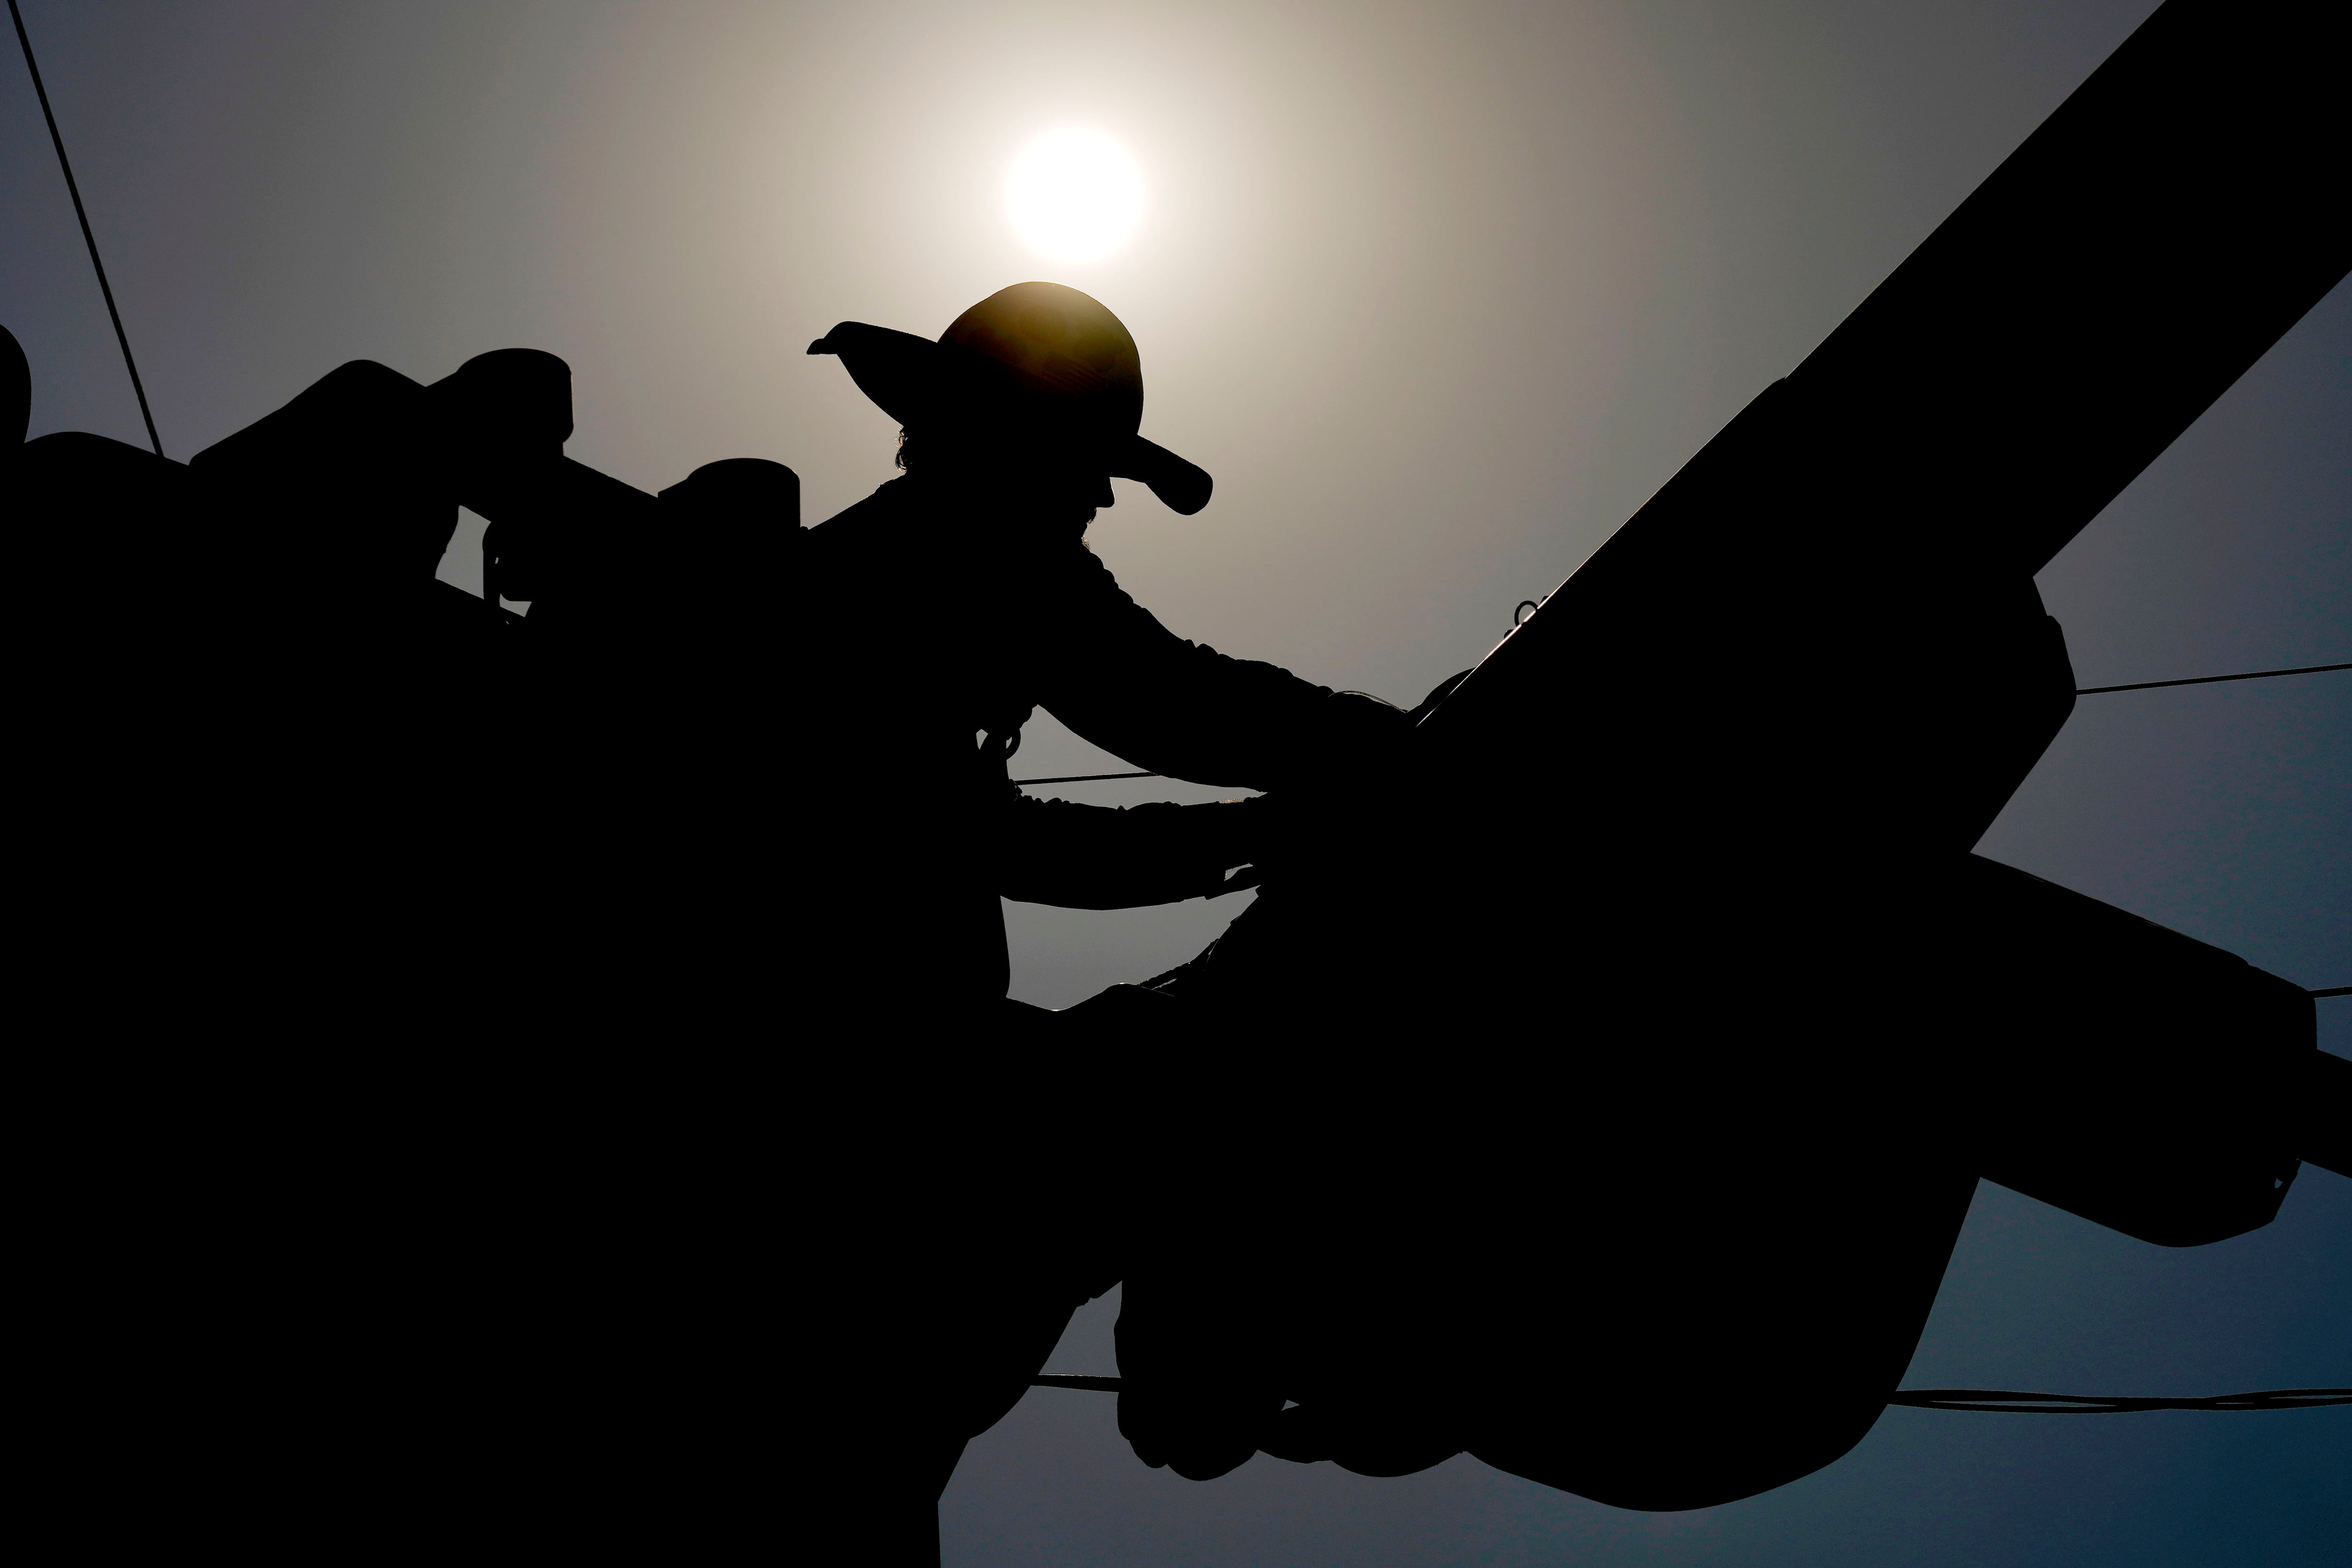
{"type": "Point", "coordinates": [2011, 1402]}
{"type": "Point", "coordinates": [2080, 692]}
{"type": "Point", "coordinates": [2004, 1401]}
{"type": "Point", "coordinates": [87, 238]}
{"type": "Point", "coordinates": [1063, 1380]}
{"type": "Point", "coordinates": [2332, 991]}
{"type": "Point", "coordinates": [2211, 680]}
{"type": "Point", "coordinates": [1084, 778]}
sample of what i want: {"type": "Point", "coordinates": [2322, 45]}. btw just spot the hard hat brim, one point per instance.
{"type": "Point", "coordinates": [912, 381]}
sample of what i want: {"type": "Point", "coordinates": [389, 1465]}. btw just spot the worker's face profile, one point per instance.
{"type": "Point", "coordinates": [1053, 469]}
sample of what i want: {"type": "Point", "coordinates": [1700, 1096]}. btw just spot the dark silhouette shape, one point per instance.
{"type": "Point", "coordinates": [295, 764]}
{"type": "Point", "coordinates": [1574, 1187]}
{"type": "Point", "coordinates": [946, 607]}
{"type": "Point", "coordinates": [1016, 420]}
{"type": "Point", "coordinates": [15, 394]}
{"type": "Point", "coordinates": [740, 1011]}
{"type": "Point", "coordinates": [1033, 354]}
{"type": "Point", "coordinates": [427, 1113]}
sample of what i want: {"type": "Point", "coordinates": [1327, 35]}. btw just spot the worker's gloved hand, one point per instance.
{"type": "Point", "coordinates": [1342, 812]}
{"type": "Point", "coordinates": [1299, 832]}
{"type": "Point", "coordinates": [1075, 856]}
{"type": "Point", "coordinates": [1361, 741]}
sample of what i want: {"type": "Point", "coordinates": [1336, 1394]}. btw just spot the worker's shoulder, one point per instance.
{"type": "Point", "coordinates": [862, 523]}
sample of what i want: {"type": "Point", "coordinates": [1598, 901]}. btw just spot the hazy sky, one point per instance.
{"type": "Point", "coordinates": [1440, 293]}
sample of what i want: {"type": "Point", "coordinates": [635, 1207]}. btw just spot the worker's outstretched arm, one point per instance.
{"type": "Point", "coordinates": [1185, 710]}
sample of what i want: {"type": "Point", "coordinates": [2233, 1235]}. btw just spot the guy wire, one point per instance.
{"type": "Point", "coordinates": [88, 238]}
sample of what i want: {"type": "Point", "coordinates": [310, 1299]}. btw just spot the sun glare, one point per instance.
{"type": "Point", "coordinates": [1074, 194]}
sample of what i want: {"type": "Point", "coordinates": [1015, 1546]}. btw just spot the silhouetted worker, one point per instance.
{"type": "Point", "coordinates": [934, 618]}
{"type": "Point", "coordinates": [955, 600]}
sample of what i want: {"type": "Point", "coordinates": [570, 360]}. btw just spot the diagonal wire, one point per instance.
{"type": "Point", "coordinates": [1084, 778]}
{"type": "Point", "coordinates": [90, 239]}
{"type": "Point", "coordinates": [2213, 680]}
{"type": "Point", "coordinates": [2014, 1401]}
{"type": "Point", "coordinates": [2080, 692]}
{"type": "Point", "coordinates": [1065, 1380]}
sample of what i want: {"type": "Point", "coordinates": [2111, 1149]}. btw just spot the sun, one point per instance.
{"type": "Point", "coordinates": [1073, 196]}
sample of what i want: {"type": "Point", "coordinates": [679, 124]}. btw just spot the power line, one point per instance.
{"type": "Point", "coordinates": [88, 238]}
{"type": "Point", "coordinates": [1084, 778]}
{"type": "Point", "coordinates": [2011, 1402]}
{"type": "Point", "coordinates": [2079, 691]}
{"type": "Point", "coordinates": [2005, 1401]}
{"type": "Point", "coordinates": [2211, 680]}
